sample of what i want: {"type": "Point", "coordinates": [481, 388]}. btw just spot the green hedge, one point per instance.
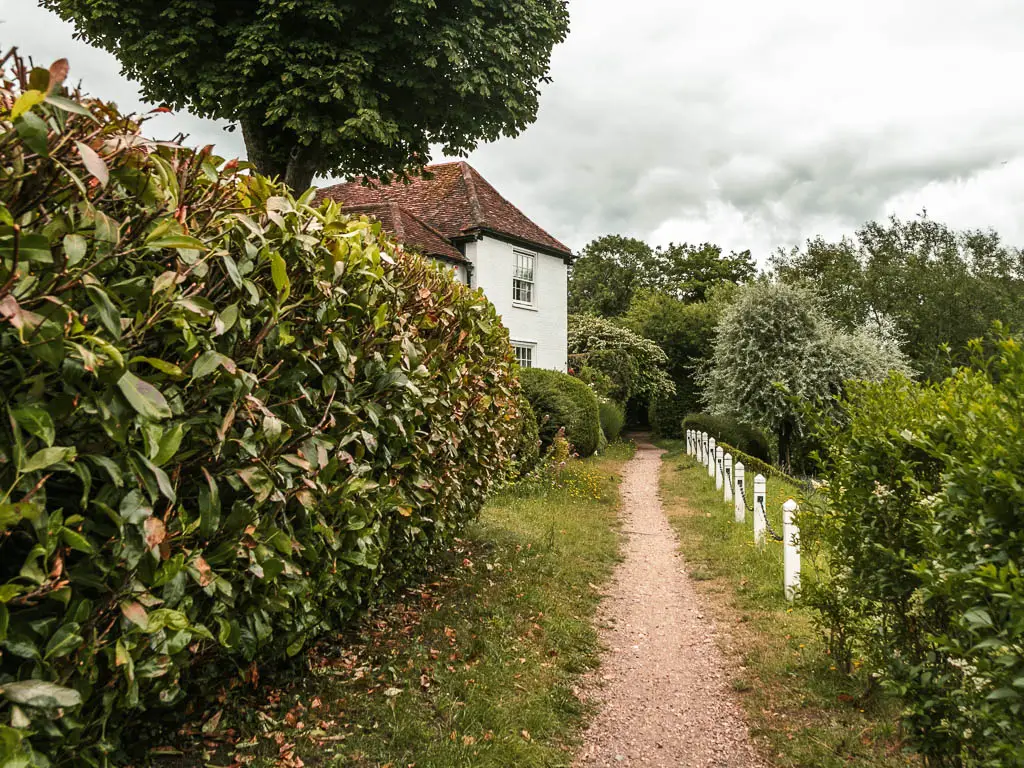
{"type": "Point", "coordinates": [922, 541]}
{"type": "Point", "coordinates": [526, 443]}
{"type": "Point", "coordinates": [226, 417]}
{"type": "Point", "coordinates": [561, 400]}
{"type": "Point", "coordinates": [613, 418]}
{"type": "Point", "coordinates": [725, 429]}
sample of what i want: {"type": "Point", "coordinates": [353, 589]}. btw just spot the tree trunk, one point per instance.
{"type": "Point", "coordinates": [277, 155]}
{"type": "Point", "coordinates": [259, 146]}
{"type": "Point", "coordinates": [301, 169]}
{"type": "Point", "coordinates": [785, 444]}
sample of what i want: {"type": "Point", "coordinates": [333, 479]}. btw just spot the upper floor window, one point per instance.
{"type": "Point", "coordinates": [523, 277]}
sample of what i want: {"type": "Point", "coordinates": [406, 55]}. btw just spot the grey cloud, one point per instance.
{"type": "Point", "coordinates": [753, 124]}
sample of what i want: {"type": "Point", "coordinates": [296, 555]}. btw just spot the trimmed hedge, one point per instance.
{"type": "Point", "coordinates": [560, 400]}
{"type": "Point", "coordinates": [726, 429]}
{"type": "Point", "coordinates": [226, 417]}
{"type": "Point", "coordinates": [526, 442]}
{"type": "Point", "coordinates": [613, 418]}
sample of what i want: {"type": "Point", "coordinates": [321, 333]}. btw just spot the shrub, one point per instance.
{"type": "Point", "coordinates": [227, 417]}
{"type": "Point", "coordinates": [613, 418]}
{"type": "Point", "coordinates": [922, 536]}
{"type": "Point", "coordinates": [525, 447]}
{"type": "Point", "coordinates": [726, 429]}
{"type": "Point", "coordinates": [561, 401]}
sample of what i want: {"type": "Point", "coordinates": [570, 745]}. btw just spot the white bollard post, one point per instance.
{"type": "Point", "coordinates": [689, 442]}
{"type": "Point", "coordinates": [704, 448]}
{"type": "Point", "coordinates": [727, 485]}
{"type": "Point", "coordinates": [740, 510]}
{"type": "Point", "coordinates": [791, 549]}
{"type": "Point", "coordinates": [697, 448]}
{"type": "Point", "coordinates": [760, 497]}
{"type": "Point", "coordinates": [719, 468]}
{"type": "Point", "coordinates": [711, 457]}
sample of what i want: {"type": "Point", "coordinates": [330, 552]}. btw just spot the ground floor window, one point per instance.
{"type": "Point", "coordinates": [524, 354]}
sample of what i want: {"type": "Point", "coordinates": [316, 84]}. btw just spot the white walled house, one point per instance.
{"type": "Point", "coordinates": [458, 218]}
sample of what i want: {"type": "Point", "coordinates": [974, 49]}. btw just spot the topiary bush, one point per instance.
{"type": "Point", "coordinates": [726, 429]}
{"type": "Point", "coordinates": [613, 418]}
{"type": "Point", "coordinates": [563, 401]}
{"type": "Point", "coordinates": [921, 540]}
{"type": "Point", "coordinates": [226, 418]}
{"type": "Point", "coordinates": [525, 447]}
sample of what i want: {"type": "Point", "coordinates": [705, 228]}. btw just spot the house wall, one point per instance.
{"type": "Point", "coordinates": [544, 325]}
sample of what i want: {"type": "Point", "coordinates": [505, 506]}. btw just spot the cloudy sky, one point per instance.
{"type": "Point", "coordinates": [750, 124]}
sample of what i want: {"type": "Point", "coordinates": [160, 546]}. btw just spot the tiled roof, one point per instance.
{"type": "Point", "coordinates": [456, 200]}
{"type": "Point", "coordinates": [410, 230]}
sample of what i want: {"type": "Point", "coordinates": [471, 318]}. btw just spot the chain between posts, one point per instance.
{"type": "Point", "coordinates": [764, 514]}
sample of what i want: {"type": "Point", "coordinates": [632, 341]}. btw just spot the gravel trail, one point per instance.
{"type": "Point", "coordinates": [662, 686]}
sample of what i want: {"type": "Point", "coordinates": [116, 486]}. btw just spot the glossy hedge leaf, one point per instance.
{"type": "Point", "coordinates": [144, 397]}
{"type": "Point", "coordinates": [39, 693]}
{"type": "Point", "coordinates": [46, 458]}
{"type": "Point", "coordinates": [32, 130]}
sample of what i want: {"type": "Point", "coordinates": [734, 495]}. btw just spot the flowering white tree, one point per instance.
{"type": "Point", "coordinates": [775, 352]}
{"type": "Point", "coordinates": [635, 366]}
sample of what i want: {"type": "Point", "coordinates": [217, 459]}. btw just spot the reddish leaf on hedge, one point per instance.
{"type": "Point", "coordinates": [135, 613]}
{"type": "Point", "coordinates": [58, 74]}
{"type": "Point", "coordinates": [155, 531]}
{"type": "Point", "coordinates": [205, 571]}
{"type": "Point", "coordinates": [93, 163]}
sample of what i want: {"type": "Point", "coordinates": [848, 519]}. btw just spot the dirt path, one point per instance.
{"type": "Point", "coordinates": [662, 686]}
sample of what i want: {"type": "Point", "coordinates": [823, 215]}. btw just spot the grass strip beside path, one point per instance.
{"type": "Point", "coordinates": [478, 667]}
{"type": "Point", "coordinates": [805, 711]}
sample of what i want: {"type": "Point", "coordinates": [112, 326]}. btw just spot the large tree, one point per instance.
{"type": "Point", "coordinates": [340, 87]}
{"type": "Point", "coordinates": [938, 286]}
{"type": "Point", "coordinates": [613, 268]}
{"type": "Point", "coordinates": [776, 353]}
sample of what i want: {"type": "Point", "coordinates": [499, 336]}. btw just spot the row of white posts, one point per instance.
{"type": "Point", "coordinates": [730, 480]}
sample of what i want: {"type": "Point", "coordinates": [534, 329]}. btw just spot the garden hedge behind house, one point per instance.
{"type": "Point", "coordinates": [560, 400]}
{"type": "Point", "coordinates": [226, 417]}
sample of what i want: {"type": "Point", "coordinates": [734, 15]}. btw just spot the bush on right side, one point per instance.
{"type": "Point", "coordinates": [563, 401]}
{"type": "Point", "coordinates": [922, 542]}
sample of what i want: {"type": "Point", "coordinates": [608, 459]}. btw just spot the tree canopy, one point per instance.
{"type": "Point", "coordinates": [613, 268]}
{"type": "Point", "coordinates": [341, 87]}
{"type": "Point", "coordinates": [630, 364]}
{"type": "Point", "coordinates": [775, 352]}
{"type": "Point", "coordinates": [939, 287]}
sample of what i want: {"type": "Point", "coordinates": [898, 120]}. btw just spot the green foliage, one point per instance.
{"type": "Point", "coordinates": [613, 418]}
{"type": "Point", "coordinates": [922, 535]}
{"type": "Point", "coordinates": [939, 287]}
{"type": "Point", "coordinates": [726, 429]}
{"type": "Point", "coordinates": [226, 417]}
{"type": "Point", "coordinates": [612, 269]}
{"type": "Point", "coordinates": [686, 333]}
{"type": "Point", "coordinates": [525, 447]}
{"type": "Point", "coordinates": [563, 402]}
{"type": "Point", "coordinates": [341, 87]}
{"type": "Point", "coordinates": [776, 355]}
{"type": "Point", "coordinates": [635, 365]}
